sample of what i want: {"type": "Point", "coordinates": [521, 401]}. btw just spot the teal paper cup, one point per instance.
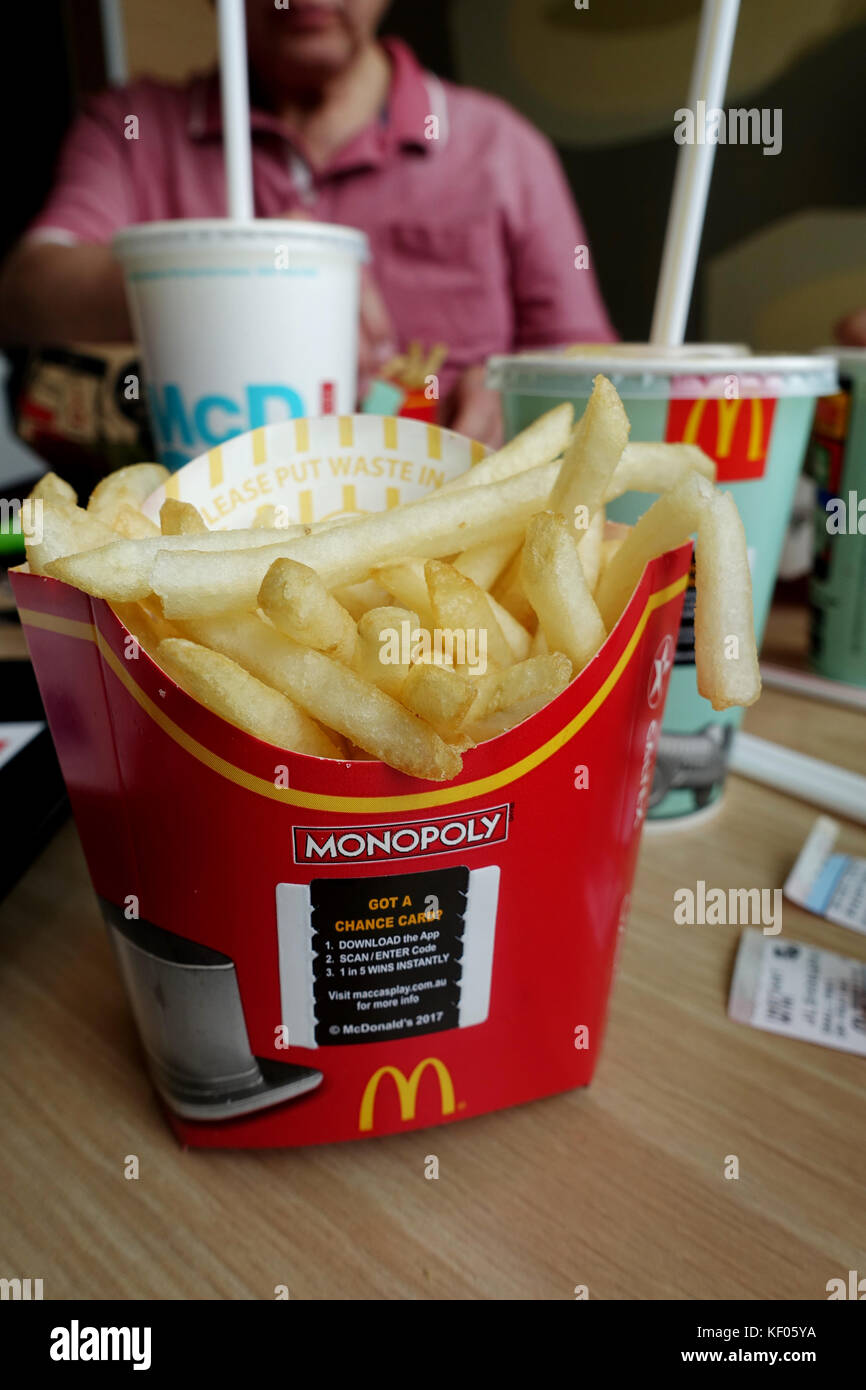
{"type": "Point", "coordinates": [837, 462]}
{"type": "Point", "coordinates": [752, 415]}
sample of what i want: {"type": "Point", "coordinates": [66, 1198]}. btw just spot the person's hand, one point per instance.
{"type": "Point", "coordinates": [52, 293]}
{"type": "Point", "coordinates": [473, 409]}
{"type": "Point", "coordinates": [851, 331]}
{"type": "Point", "coordinates": [377, 337]}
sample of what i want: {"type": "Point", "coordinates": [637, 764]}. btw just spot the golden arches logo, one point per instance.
{"type": "Point", "coordinates": [407, 1091]}
{"type": "Point", "coordinates": [727, 415]}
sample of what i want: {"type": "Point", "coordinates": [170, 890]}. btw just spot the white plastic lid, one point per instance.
{"type": "Point", "coordinates": [662, 374]}
{"type": "Point", "coordinates": [845, 356]}
{"type": "Point", "coordinates": [651, 350]}
{"type": "Point", "coordinates": [221, 234]}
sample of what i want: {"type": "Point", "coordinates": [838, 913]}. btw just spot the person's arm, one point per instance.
{"type": "Point", "coordinates": [474, 410]}
{"type": "Point", "coordinates": [61, 283]}
{"type": "Point", "coordinates": [556, 295]}
{"type": "Point", "coordinates": [51, 293]}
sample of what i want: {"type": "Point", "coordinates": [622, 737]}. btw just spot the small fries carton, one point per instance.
{"type": "Point", "coordinates": [320, 950]}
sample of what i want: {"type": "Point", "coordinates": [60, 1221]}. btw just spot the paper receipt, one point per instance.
{"type": "Point", "coordinates": [801, 991]}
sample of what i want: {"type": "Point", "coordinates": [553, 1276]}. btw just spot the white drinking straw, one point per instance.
{"type": "Point", "coordinates": [113, 42]}
{"type": "Point", "coordinates": [235, 109]}
{"type": "Point", "coordinates": [718, 27]}
{"type": "Point", "coordinates": [815, 687]}
{"type": "Point", "coordinates": [810, 779]}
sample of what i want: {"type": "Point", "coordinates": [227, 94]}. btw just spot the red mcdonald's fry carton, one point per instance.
{"type": "Point", "coordinates": [320, 950]}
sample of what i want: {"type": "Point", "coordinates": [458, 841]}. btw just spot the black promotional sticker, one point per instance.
{"type": "Point", "coordinates": [387, 955]}
{"type": "Point", "coordinates": [395, 956]}
{"type": "Point", "coordinates": [685, 653]}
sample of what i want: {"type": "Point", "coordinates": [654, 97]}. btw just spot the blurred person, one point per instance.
{"type": "Point", "coordinates": [473, 231]}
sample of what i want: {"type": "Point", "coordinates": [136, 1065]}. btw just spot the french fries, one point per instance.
{"type": "Point", "coordinates": [508, 592]}
{"type": "Point", "coordinates": [146, 623]}
{"type": "Point", "coordinates": [484, 563]}
{"type": "Point", "coordinates": [125, 487]}
{"type": "Point", "coordinates": [122, 572]}
{"type": "Point", "coordinates": [412, 634]}
{"type": "Point", "coordinates": [130, 522]}
{"type": "Point", "coordinates": [231, 692]}
{"type": "Point", "coordinates": [596, 446]}
{"type": "Point", "coordinates": [543, 440]}
{"type": "Point", "coordinates": [385, 648]}
{"type": "Point", "coordinates": [50, 488]}
{"type": "Point", "coordinates": [64, 530]}
{"type": "Point", "coordinates": [590, 543]}
{"type": "Point", "coordinates": [440, 696]}
{"type": "Point", "coordinates": [193, 584]}
{"type": "Point", "coordinates": [178, 518]}
{"type": "Point", "coordinates": [656, 468]}
{"type": "Point", "coordinates": [513, 695]}
{"type": "Point", "coordinates": [725, 651]}
{"type": "Point", "coordinates": [360, 598]}
{"type": "Point", "coordinates": [556, 586]}
{"type": "Point", "coordinates": [298, 604]}
{"type": "Point", "coordinates": [406, 581]}
{"type": "Point", "coordinates": [461, 608]}
{"type": "Point", "coordinates": [668, 523]}
{"type": "Point", "coordinates": [516, 635]}
{"type": "Point", "coordinates": [609, 546]}
{"type": "Point", "coordinates": [330, 692]}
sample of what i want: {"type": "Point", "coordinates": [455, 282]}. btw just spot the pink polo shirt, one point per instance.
{"type": "Point", "coordinates": [473, 233]}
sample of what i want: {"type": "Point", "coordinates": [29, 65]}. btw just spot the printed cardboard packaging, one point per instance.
{"type": "Point", "coordinates": [318, 950]}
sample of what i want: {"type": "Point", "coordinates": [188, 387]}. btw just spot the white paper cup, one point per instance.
{"type": "Point", "coordinates": [242, 325]}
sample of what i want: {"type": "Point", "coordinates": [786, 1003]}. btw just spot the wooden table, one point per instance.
{"type": "Point", "coordinates": [620, 1187]}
